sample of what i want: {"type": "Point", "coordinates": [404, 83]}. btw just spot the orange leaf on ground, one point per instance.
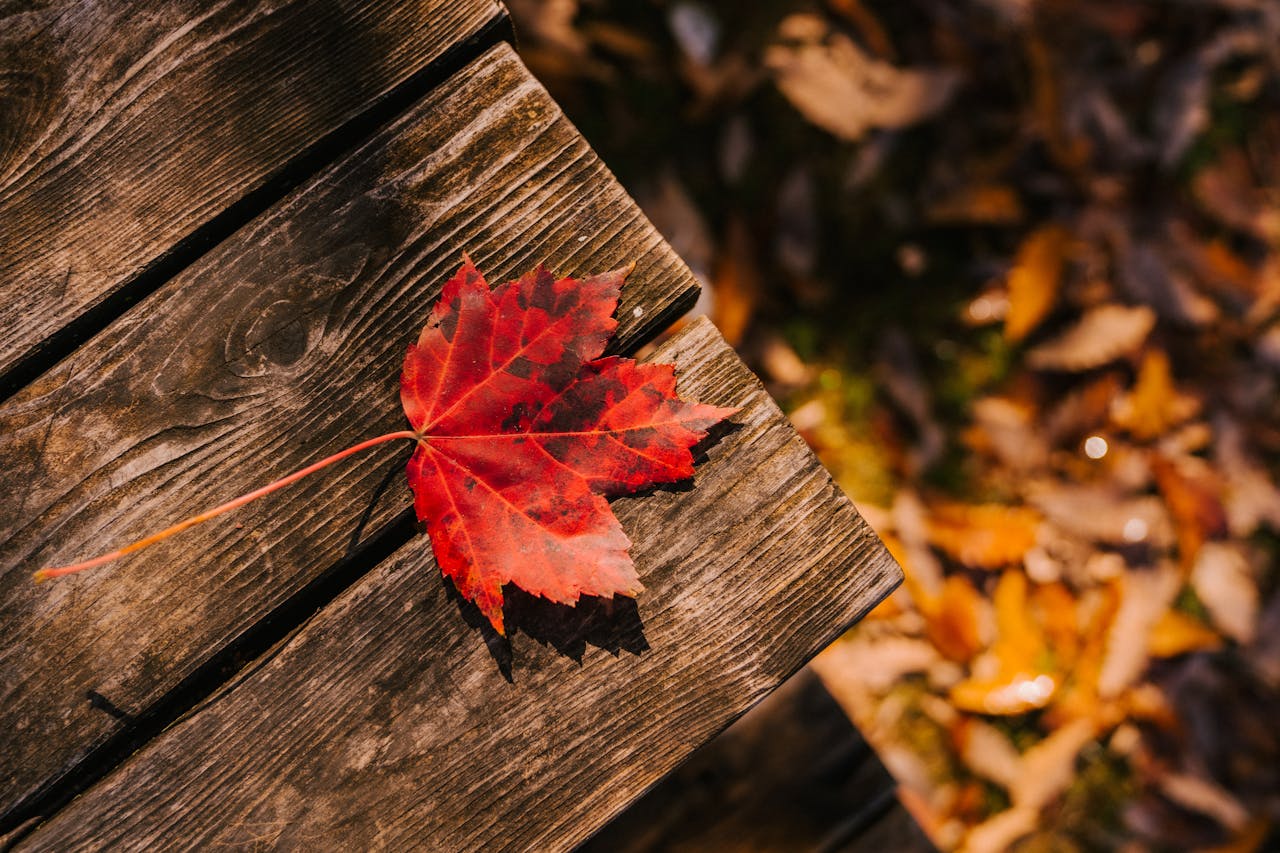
{"type": "Point", "coordinates": [1154, 405]}
{"type": "Point", "coordinates": [1176, 633]}
{"type": "Point", "coordinates": [983, 536]}
{"type": "Point", "coordinates": [1020, 684]}
{"type": "Point", "coordinates": [735, 288]}
{"type": "Point", "coordinates": [1055, 606]}
{"type": "Point", "coordinates": [951, 620]}
{"type": "Point", "coordinates": [1034, 279]}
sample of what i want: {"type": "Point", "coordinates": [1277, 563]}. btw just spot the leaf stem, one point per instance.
{"type": "Point", "coordinates": [45, 574]}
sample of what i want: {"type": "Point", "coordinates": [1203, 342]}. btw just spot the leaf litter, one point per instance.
{"type": "Point", "coordinates": [1030, 278]}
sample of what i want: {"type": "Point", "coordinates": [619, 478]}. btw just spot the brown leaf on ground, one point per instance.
{"type": "Point", "coordinates": [1019, 643]}
{"type": "Point", "coordinates": [1006, 430]}
{"type": "Point", "coordinates": [1146, 595]}
{"type": "Point", "coordinates": [988, 204]}
{"type": "Point", "coordinates": [1227, 589]}
{"type": "Point", "coordinates": [998, 833]}
{"type": "Point", "coordinates": [921, 566]}
{"type": "Point", "coordinates": [879, 664]}
{"type": "Point", "coordinates": [1049, 766]}
{"type": "Point", "coordinates": [840, 88]}
{"type": "Point", "coordinates": [987, 751]}
{"type": "Point", "coordinates": [1102, 335]}
{"type": "Point", "coordinates": [1250, 497]}
{"type": "Point", "coordinates": [1227, 191]}
{"type": "Point", "coordinates": [1201, 795]}
{"type": "Point", "coordinates": [1010, 696]}
{"type": "Point", "coordinates": [1191, 491]}
{"type": "Point", "coordinates": [1105, 515]}
{"type": "Point", "coordinates": [1082, 411]}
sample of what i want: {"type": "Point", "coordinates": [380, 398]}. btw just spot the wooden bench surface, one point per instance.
{"type": "Point", "coordinates": [385, 718]}
{"type": "Point", "coordinates": [386, 722]}
{"type": "Point", "coordinates": [127, 126]}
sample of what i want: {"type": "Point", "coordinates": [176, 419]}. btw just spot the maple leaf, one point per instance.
{"type": "Point", "coordinates": [524, 431]}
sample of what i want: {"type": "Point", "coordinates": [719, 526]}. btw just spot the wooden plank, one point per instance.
{"type": "Point", "coordinates": [792, 774]}
{"type": "Point", "coordinates": [281, 346]}
{"type": "Point", "coordinates": [386, 723]}
{"type": "Point", "coordinates": [125, 126]}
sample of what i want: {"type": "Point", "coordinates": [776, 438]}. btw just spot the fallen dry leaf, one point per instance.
{"type": "Point", "coordinates": [1082, 411]}
{"type": "Point", "coordinates": [1018, 685]}
{"type": "Point", "coordinates": [1102, 335]}
{"type": "Point", "coordinates": [1048, 767]}
{"type": "Point", "coordinates": [1097, 609]}
{"type": "Point", "coordinates": [1155, 405]}
{"type": "Point", "coordinates": [1250, 495]}
{"type": "Point", "coordinates": [1034, 279]}
{"type": "Point", "coordinates": [951, 619]}
{"type": "Point", "coordinates": [841, 89]}
{"type": "Point", "coordinates": [1006, 430]}
{"type": "Point", "coordinates": [735, 284]}
{"type": "Point", "coordinates": [1145, 596]}
{"type": "Point", "coordinates": [990, 204]}
{"type": "Point", "coordinates": [1227, 589]}
{"type": "Point", "coordinates": [1176, 633]}
{"type": "Point", "coordinates": [998, 833]}
{"type": "Point", "coordinates": [1105, 515]}
{"type": "Point", "coordinates": [1201, 795]}
{"type": "Point", "coordinates": [988, 752]}
{"type": "Point", "coordinates": [1191, 492]}
{"type": "Point", "coordinates": [983, 536]}
{"type": "Point", "coordinates": [1055, 607]}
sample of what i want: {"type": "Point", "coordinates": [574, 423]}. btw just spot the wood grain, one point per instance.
{"type": "Point", "coordinates": [386, 722]}
{"type": "Point", "coordinates": [792, 774]}
{"type": "Point", "coordinates": [283, 345]}
{"type": "Point", "coordinates": [124, 126]}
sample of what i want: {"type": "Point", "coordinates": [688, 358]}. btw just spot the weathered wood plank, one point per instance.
{"type": "Point", "coordinates": [386, 724]}
{"type": "Point", "coordinates": [792, 774]}
{"type": "Point", "coordinates": [125, 126]}
{"type": "Point", "coordinates": [282, 345]}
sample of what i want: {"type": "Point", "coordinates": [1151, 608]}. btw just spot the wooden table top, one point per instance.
{"type": "Point", "coordinates": [219, 226]}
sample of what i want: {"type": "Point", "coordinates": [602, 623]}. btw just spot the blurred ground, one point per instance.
{"type": "Point", "coordinates": [1013, 266]}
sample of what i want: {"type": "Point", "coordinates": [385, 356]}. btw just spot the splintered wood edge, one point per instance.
{"type": "Point", "coordinates": [282, 344]}
{"type": "Point", "coordinates": [386, 721]}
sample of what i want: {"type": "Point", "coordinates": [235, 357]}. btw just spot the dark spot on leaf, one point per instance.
{"type": "Point", "coordinates": [521, 367]}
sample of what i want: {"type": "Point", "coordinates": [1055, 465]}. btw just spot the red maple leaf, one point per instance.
{"type": "Point", "coordinates": [524, 431]}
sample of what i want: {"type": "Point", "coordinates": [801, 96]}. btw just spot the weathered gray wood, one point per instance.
{"type": "Point", "coordinates": [282, 345]}
{"type": "Point", "coordinates": [385, 724]}
{"type": "Point", "coordinates": [792, 774]}
{"type": "Point", "coordinates": [126, 125]}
